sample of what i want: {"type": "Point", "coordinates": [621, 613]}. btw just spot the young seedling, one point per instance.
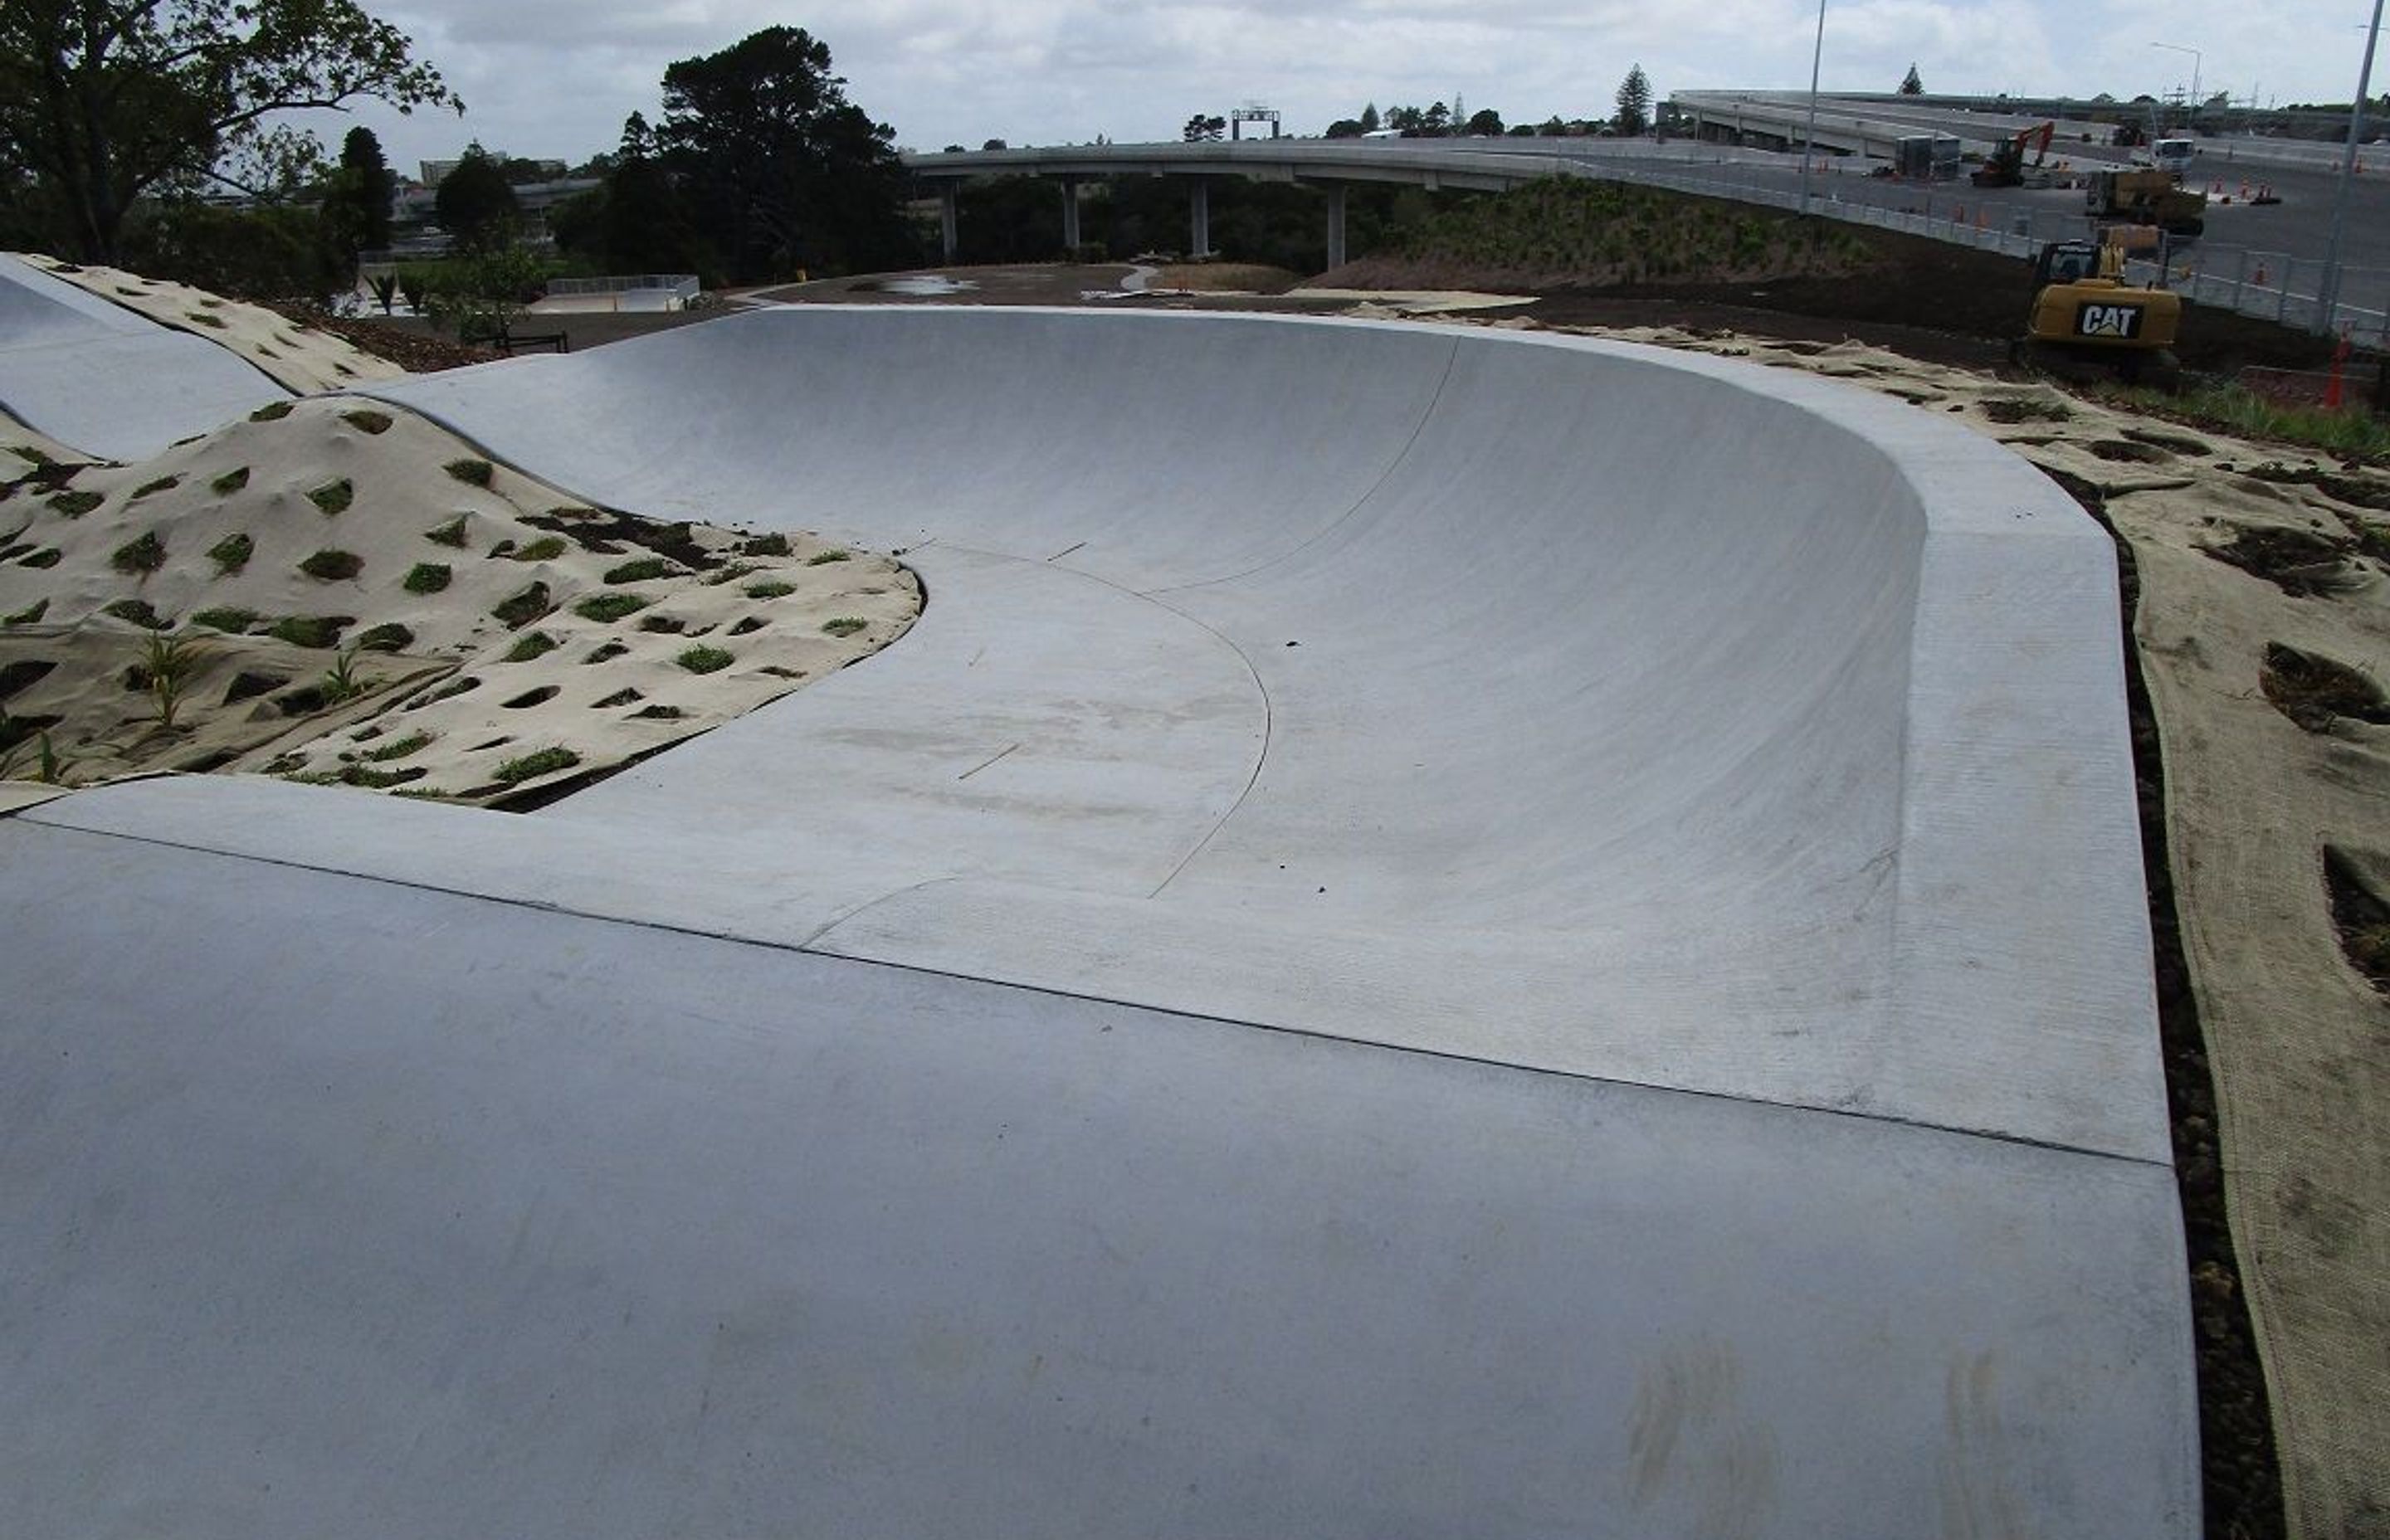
{"type": "Point", "coordinates": [170, 659]}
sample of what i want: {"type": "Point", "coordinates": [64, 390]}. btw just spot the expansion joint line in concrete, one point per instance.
{"type": "Point", "coordinates": [809, 947]}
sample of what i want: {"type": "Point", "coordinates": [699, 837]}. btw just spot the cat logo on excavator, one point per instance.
{"type": "Point", "coordinates": [2120, 322]}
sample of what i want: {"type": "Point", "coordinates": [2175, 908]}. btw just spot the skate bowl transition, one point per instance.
{"type": "Point", "coordinates": [1435, 932]}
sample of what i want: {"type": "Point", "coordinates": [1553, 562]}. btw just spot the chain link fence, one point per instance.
{"type": "Point", "coordinates": [2273, 286]}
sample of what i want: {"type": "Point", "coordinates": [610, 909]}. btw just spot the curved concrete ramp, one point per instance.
{"type": "Point", "coordinates": [107, 381]}
{"type": "Point", "coordinates": [1434, 932]}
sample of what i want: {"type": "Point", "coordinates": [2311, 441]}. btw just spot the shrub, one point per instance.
{"type": "Point", "coordinates": [74, 505]}
{"type": "Point", "coordinates": [471, 472]}
{"type": "Point", "coordinates": [545, 761]}
{"type": "Point", "coordinates": [517, 610]}
{"type": "Point", "coordinates": [451, 534]}
{"type": "Point", "coordinates": [273, 411]}
{"type": "Point", "coordinates": [230, 482]}
{"type": "Point", "coordinates": [845, 625]}
{"type": "Point", "coordinates": [546, 548]}
{"type": "Point", "coordinates": [227, 618]}
{"type": "Point", "coordinates": [368, 421]}
{"type": "Point", "coordinates": [333, 566]}
{"type": "Point", "coordinates": [311, 630]}
{"type": "Point", "coordinates": [704, 660]}
{"type": "Point", "coordinates": [334, 497]}
{"type": "Point", "coordinates": [232, 553]}
{"type": "Point", "coordinates": [770, 590]}
{"type": "Point", "coordinates": [538, 644]}
{"type": "Point", "coordinates": [646, 569]}
{"type": "Point", "coordinates": [140, 557]}
{"type": "Point", "coordinates": [610, 607]}
{"type": "Point", "coordinates": [426, 577]}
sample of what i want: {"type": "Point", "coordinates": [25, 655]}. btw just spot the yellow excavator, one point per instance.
{"type": "Point", "coordinates": [2087, 317]}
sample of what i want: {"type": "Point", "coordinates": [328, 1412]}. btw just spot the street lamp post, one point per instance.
{"type": "Point", "coordinates": [2197, 59]}
{"type": "Point", "coordinates": [2328, 292]}
{"type": "Point", "coordinates": [1809, 134]}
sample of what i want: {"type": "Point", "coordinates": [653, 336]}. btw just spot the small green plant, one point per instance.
{"type": "Point", "coordinates": [74, 505]}
{"type": "Point", "coordinates": [537, 645]}
{"type": "Point", "coordinates": [517, 610]}
{"type": "Point", "coordinates": [273, 411]}
{"type": "Point", "coordinates": [610, 607]}
{"type": "Point", "coordinates": [774, 543]}
{"type": "Point", "coordinates": [645, 569]}
{"type": "Point", "coordinates": [230, 482]}
{"type": "Point", "coordinates": [333, 566]}
{"type": "Point", "coordinates": [137, 612]}
{"type": "Point", "coordinates": [389, 637]}
{"type": "Point", "coordinates": [232, 553]}
{"type": "Point", "coordinates": [311, 630]}
{"type": "Point", "coordinates": [823, 558]}
{"type": "Point", "coordinates": [334, 497]}
{"type": "Point", "coordinates": [451, 534]}
{"type": "Point", "coordinates": [163, 483]}
{"type": "Point", "coordinates": [770, 590]}
{"type": "Point", "coordinates": [426, 577]}
{"type": "Point", "coordinates": [605, 652]}
{"type": "Point", "coordinates": [140, 557]}
{"type": "Point", "coordinates": [704, 660]}
{"type": "Point", "coordinates": [546, 548]}
{"type": "Point", "coordinates": [170, 660]}
{"type": "Point", "coordinates": [340, 681]}
{"type": "Point", "coordinates": [28, 615]}
{"type": "Point", "coordinates": [845, 625]}
{"type": "Point", "coordinates": [664, 625]}
{"type": "Point", "coordinates": [366, 421]}
{"type": "Point", "coordinates": [228, 618]}
{"type": "Point", "coordinates": [531, 766]}
{"type": "Point", "coordinates": [620, 698]}
{"type": "Point", "coordinates": [733, 572]}
{"type": "Point", "coordinates": [411, 743]}
{"type": "Point", "coordinates": [471, 472]}
{"type": "Point", "coordinates": [202, 319]}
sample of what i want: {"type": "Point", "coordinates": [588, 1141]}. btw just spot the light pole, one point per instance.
{"type": "Point", "coordinates": [1809, 136]}
{"type": "Point", "coordinates": [2197, 59]}
{"type": "Point", "coordinates": [2328, 292]}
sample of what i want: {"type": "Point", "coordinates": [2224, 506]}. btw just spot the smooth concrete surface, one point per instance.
{"type": "Point", "coordinates": [427, 1215]}
{"type": "Point", "coordinates": [1434, 932]}
{"type": "Point", "coordinates": [98, 376]}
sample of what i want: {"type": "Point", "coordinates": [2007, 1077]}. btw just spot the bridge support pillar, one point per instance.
{"type": "Point", "coordinates": [1070, 218]}
{"type": "Point", "coordinates": [949, 218]}
{"type": "Point", "coordinates": [1335, 224]}
{"type": "Point", "coordinates": [1199, 218]}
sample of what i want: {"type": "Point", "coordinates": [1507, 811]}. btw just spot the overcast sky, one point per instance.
{"type": "Point", "coordinates": [556, 78]}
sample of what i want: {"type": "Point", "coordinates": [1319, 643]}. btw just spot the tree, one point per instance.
{"type": "Point", "coordinates": [1485, 122]}
{"type": "Point", "coordinates": [103, 101]}
{"type": "Point", "coordinates": [1436, 121]}
{"type": "Point", "coordinates": [777, 170]}
{"type": "Point", "coordinates": [1368, 119]}
{"type": "Point", "coordinates": [357, 198]}
{"type": "Point", "coordinates": [1910, 85]}
{"type": "Point", "coordinates": [1199, 127]}
{"type": "Point", "coordinates": [475, 203]}
{"type": "Point", "coordinates": [1343, 128]}
{"type": "Point", "coordinates": [1634, 116]}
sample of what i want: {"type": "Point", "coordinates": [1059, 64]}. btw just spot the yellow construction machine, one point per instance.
{"type": "Point", "coordinates": [2087, 316]}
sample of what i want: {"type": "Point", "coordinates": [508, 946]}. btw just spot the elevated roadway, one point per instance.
{"type": "Point", "coordinates": [1435, 932]}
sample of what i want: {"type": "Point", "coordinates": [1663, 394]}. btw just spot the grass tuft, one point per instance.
{"type": "Point", "coordinates": [232, 553]}
{"type": "Point", "coordinates": [531, 766]}
{"type": "Point", "coordinates": [610, 607]}
{"type": "Point", "coordinates": [140, 557]}
{"type": "Point", "coordinates": [704, 660]}
{"type": "Point", "coordinates": [474, 472]}
{"type": "Point", "coordinates": [334, 497]}
{"type": "Point", "coordinates": [333, 566]}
